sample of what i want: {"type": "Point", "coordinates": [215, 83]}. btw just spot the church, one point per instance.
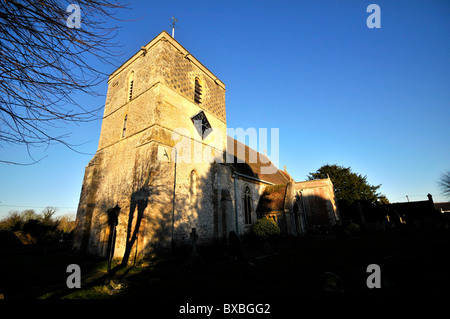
{"type": "Point", "coordinates": [165, 166]}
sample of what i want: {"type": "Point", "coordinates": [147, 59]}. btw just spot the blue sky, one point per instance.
{"type": "Point", "coordinates": [377, 100]}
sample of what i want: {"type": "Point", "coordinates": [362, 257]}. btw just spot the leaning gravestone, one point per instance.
{"type": "Point", "coordinates": [193, 254]}
{"type": "Point", "coordinates": [194, 238]}
{"type": "Point", "coordinates": [249, 270]}
{"type": "Point", "coordinates": [331, 282]}
{"type": "Point", "coordinates": [401, 273]}
{"type": "Point", "coordinates": [237, 249]}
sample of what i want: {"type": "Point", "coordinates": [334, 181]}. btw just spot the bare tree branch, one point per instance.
{"type": "Point", "coordinates": [444, 183]}
{"type": "Point", "coordinates": [44, 62]}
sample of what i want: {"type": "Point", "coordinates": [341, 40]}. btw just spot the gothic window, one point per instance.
{"type": "Point", "coordinates": [202, 125]}
{"type": "Point", "coordinates": [130, 86]}
{"type": "Point", "coordinates": [197, 91]}
{"type": "Point", "coordinates": [124, 126]}
{"type": "Point", "coordinates": [193, 186]}
{"type": "Point", "coordinates": [247, 206]}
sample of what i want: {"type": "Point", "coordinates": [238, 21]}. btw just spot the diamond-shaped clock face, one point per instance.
{"type": "Point", "coordinates": [202, 125]}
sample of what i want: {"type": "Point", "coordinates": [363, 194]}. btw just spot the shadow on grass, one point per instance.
{"type": "Point", "coordinates": [308, 267]}
{"type": "Point", "coordinates": [293, 266]}
{"type": "Point", "coordinates": [98, 284]}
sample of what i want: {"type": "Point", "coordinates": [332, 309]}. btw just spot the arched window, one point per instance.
{"type": "Point", "coordinates": [124, 126]}
{"type": "Point", "coordinates": [247, 206]}
{"type": "Point", "coordinates": [197, 91]}
{"type": "Point", "coordinates": [130, 86]}
{"type": "Point", "coordinates": [193, 186]}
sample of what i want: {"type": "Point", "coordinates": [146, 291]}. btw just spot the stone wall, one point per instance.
{"type": "Point", "coordinates": [163, 85]}
{"type": "Point", "coordinates": [137, 170]}
{"type": "Point", "coordinates": [317, 200]}
{"type": "Point", "coordinates": [256, 189]}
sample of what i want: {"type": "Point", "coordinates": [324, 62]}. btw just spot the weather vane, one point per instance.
{"type": "Point", "coordinates": [173, 20]}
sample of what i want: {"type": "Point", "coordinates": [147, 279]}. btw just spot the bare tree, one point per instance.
{"type": "Point", "coordinates": [47, 52]}
{"type": "Point", "coordinates": [444, 183]}
{"type": "Point", "coordinates": [47, 213]}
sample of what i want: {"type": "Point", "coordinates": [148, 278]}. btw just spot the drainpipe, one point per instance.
{"type": "Point", "coordinates": [253, 178]}
{"type": "Point", "coordinates": [174, 191]}
{"type": "Point", "coordinates": [304, 211]}
{"type": "Point", "coordinates": [236, 203]}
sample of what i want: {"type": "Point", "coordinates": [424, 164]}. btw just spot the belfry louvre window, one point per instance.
{"type": "Point", "coordinates": [124, 126]}
{"type": "Point", "coordinates": [130, 86]}
{"type": "Point", "coordinates": [197, 91]}
{"type": "Point", "coordinates": [202, 125]}
{"type": "Point", "coordinates": [247, 206]}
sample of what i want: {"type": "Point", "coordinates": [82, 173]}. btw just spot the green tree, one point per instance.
{"type": "Point", "coordinates": [348, 186]}
{"type": "Point", "coordinates": [383, 200]}
{"type": "Point", "coordinates": [265, 228]}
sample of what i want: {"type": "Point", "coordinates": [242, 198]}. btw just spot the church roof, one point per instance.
{"type": "Point", "coordinates": [251, 167]}
{"type": "Point", "coordinates": [164, 36]}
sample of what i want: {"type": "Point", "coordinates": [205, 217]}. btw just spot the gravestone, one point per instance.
{"type": "Point", "coordinates": [191, 258]}
{"type": "Point", "coordinates": [331, 283]}
{"type": "Point", "coordinates": [237, 250]}
{"type": "Point", "coordinates": [248, 269]}
{"type": "Point", "coordinates": [194, 237]}
{"type": "Point", "coordinates": [113, 220]}
{"type": "Point", "coordinates": [339, 232]}
{"type": "Point", "coordinates": [400, 273]}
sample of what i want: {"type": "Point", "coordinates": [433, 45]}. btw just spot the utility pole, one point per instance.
{"type": "Point", "coordinates": [407, 198]}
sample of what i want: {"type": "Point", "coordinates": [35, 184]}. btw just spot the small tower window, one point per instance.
{"type": "Point", "coordinates": [130, 86]}
{"type": "Point", "coordinates": [124, 126]}
{"type": "Point", "coordinates": [197, 91]}
{"type": "Point", "coordinates": [247, 206]}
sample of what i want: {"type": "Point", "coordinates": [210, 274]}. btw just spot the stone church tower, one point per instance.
{"type": "Point", "coordinates": [160, 97]}
{"type": "Point", "coordinates": [165, 165]}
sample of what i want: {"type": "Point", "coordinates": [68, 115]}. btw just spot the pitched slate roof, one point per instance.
{"type": "Point", "coordinates": [249, 162]}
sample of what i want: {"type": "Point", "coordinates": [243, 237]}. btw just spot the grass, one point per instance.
{"type": "Point", "coordinates": [96, 292]}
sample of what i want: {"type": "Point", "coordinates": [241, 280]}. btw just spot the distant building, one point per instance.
{"type": "Point", "coordinates": [142, 191]}
{"type": "Point", "coordinates": [444, 209]}
{"type": "Point", "coordinates": [415, 214]}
